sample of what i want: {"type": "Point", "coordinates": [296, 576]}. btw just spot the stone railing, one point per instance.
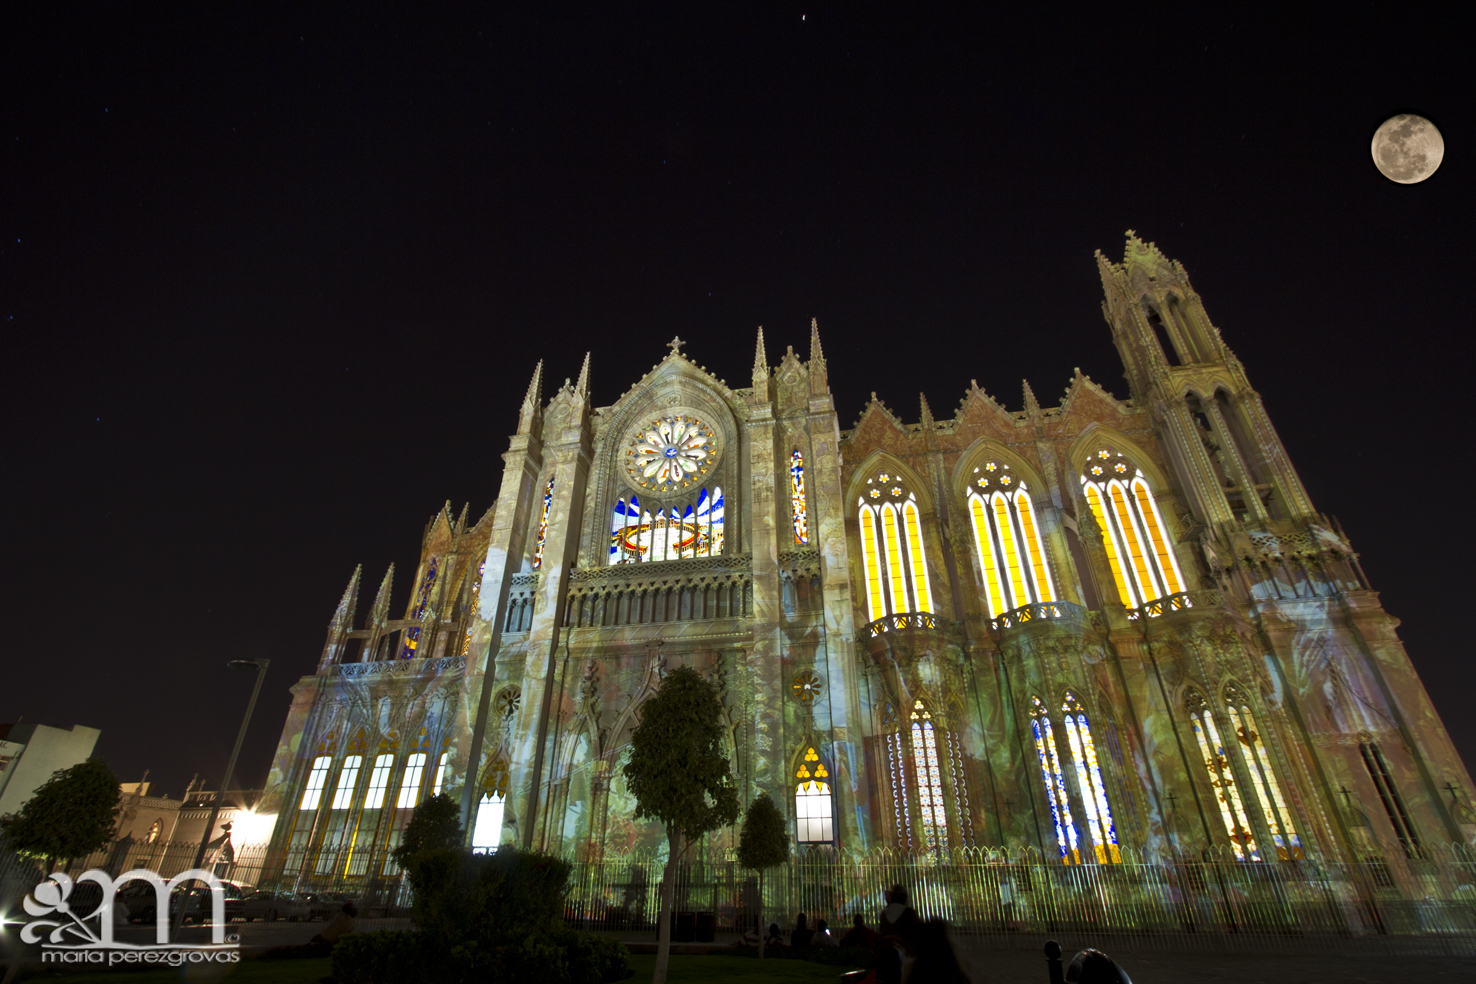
{"type": "Point", "coordinates": [900, 622]}
{"type": "Point", "coordinates": [400, 667]}
{"type": "Point", "coordinates": [1182, 601]}
{"type": "Point", "coordinates": [1039, 611]}
{"type": "Point", "coordinates": [520, 595]}
{"type": "Point", "coordinates": [665, 591]}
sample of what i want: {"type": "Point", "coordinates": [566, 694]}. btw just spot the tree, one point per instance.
{"type": "Point", "coordinates": [71, 815]}
{"type": "Point", "coordinates": [763, 843]}
{"type": "Point", "coordinates": [679, 776]}
{"type": "Point", "coordinates": [435, 824]}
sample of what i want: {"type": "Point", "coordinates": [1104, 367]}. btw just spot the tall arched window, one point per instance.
{"type": "Point", "coordinates": [1222, 778]}
{"type": "Point", "coordinates": [1143, 564]}
{"type": "Point", "coordinates": [677, 533]}
{"type": "Point", "coordinates": [929, 777]}
{"type": "Point", "coordinates": [378, 782]}
{"type": "Point", "coordinates": [348, 778]}
{"type": "Point", "coordinates": [312, 793]}
{"type": "Point", "coordinates": [893, 549]}
{"type": "Point", "coordinates": [812, 801]}
{"type": "Point", "coordinates": [410, 782]}
{"type": "Point", "coordinates": [440, 780]}
{"type": "Point", "coordinates": [548, 498]}
{"type": "Point", "coordinates": [487, 828]}
{"type": "Point", "coordinates": [1263, 777]}
{"type": "Point", "coordinates": [1089, 781]}
{"type": "Point", "coordinates": [1055, 781]}
{"type": "Point", "coordinates": [422, 601]}
{"type": "Point", "coordinates": [797, 498]}
{"type": "Point", "coordinates": [1007, 540]}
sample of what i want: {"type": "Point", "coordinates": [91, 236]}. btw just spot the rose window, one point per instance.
{"type": "Point", "coordinates": [671, 453]}
{"type": "Point", "coordinates": [807, 686]}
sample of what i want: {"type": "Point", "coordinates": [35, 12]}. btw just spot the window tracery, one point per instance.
{"type": "Point", "coordinates": [675, 533]}
{"type": "Point", "coordinates": [813, 805]}
{"type": "Point", "coordinates": [548, 498]}
{"type": "Point", "coordinates": [1055, 781]}
{"type": "Point", "coordinates": [797, 498]}
{"type": "Point", "coordinates": [312, 793]}
{"type": "Point", "coordinates": [422, 600]}
{"type": "Point", "coordinates": [1222, 779]}
{"type": "Point", "coordinates": [378, 782]}
{"type": "Point", "coordinates": [1007, 540]}
{"type": "Point", "coordinates": [893, 549]}
{"type": "Point", "coordinates": [929, 778]}
{"type": "Point", "coordinates": [1143, 564]}
{"type": "Point", "coordinates": [1089, 781]}
{"type": "Point", "coordinates": [410, 782]}
{"type": "Point", "coordinates": [1263, 777]}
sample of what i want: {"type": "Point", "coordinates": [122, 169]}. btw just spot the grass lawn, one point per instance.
{"type": "Point", "coordinates": [729, 970]}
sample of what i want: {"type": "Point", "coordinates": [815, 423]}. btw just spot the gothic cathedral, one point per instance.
{"type": "Point", "coordinates": [1104, 629]}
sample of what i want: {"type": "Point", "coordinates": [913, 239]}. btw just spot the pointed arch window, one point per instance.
{"type": "Point", "coordinates": [1055, 782]}
{"type": "Point", "coordinates": [312, 793]}
{"type": "Point", "coordinates": [929, 778]}
{"type": "Point", "coordinates": [797, 498]}
{"type": "Point", "coordinates": [1263, 777]}
{"type": "Point", "coordinates": [548, 498]}
{"type": "Point", "coordinates": [1144, 567]}
{"type": "Point", "coordinates": [677, 533]}
{"type": "Point", "coordinates": [813, 806]}
{"type": "Point", "coordinates": [1089, 781]}
{"type": "Point", "coordinates": [378, 782]}
{"type": "Point", "coordinates": [893, 549]}
{"type": "Point", "coordinates": [440, 780]}
{"type": "Point", "coordinates": [1222, 779]}
{"type": "Point", "coordinates": [487, 829]}
{"type": "Point", "coordinates": [422, 601]}
{"type": "Point", "coordinates": [1007, 540]}
{"type": "Point", "coordinates": [410, 782]}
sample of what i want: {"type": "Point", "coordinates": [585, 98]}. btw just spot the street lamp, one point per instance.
{"type": "Point", "coordinates": [260, 666]}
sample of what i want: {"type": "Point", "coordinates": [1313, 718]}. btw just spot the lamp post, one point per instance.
{"type": "Point", "coordinates": [260, 666]}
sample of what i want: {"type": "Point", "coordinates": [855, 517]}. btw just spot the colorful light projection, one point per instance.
{"type": "Point", "coordinates": [1055, 782]}
{"type": "Point", "coordinates": [893, 551]}
{"type": "Point", "coordinates": [671, 453]}
{"type": "Point", "coordinates": [1089, 781]}
{"type": "Point", "coordinates": [412, 634]}
{"type": "Point", "coordinates": [638, 536]}
{"type": "Point", "coordinates": [548, 498]}
{"type": "Point", "coordinates": [1263, 778]}
{"type": "Point", "coordinates": [812, 801]}
{"type": "Point", "coordinates": [797, 498]}
{"type": "Point", "coordinates": [1143, 565]}
{"type": "Point", "coordinates": [1007, 541]}
{"type": "Point", "coordinates": [929, 778]}
{"type": "Point", "coordinates": [1222, 779]}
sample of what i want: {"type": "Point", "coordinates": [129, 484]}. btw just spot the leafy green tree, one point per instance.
{"type": "Point", "coordinates": [71, 815]}
{"type": "Point", "coordinates": [680, 777]}
{"type": "Point", "coordinates": [763, 843]}
{"type": "Point", "coordinates": [435, 824]}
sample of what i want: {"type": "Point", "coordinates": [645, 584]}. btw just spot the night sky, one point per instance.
{"type": "Point", "coordinates": [272, 284]}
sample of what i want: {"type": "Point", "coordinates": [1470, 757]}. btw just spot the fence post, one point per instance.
{"type": "Point", "coordinates": [1053, 962]}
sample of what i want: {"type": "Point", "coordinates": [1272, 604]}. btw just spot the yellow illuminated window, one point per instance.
{"type": "Point", "coordinates": [1033, 545]}
{"type": "Point", "coordinates": [919, 561]}
{"type": "Point", "coordinates": [1166, 561]}
{"type": "Point", "coordinates": [891, 536]}
{"type": "Point", "coordinates": [1268, 790]}
{"type": "Point", "coordinates": [993, 591]}
{"type": "Point", "coordinates": [812, 803]}
{"type": "Point", "coordinates": [1109, 541]}
{"type": "Point", "coordinates": [871, 559]}
{"type": "Point", "coordinates": [1012, 555]}
{"type": "Point", "coordinates": [1147, 583]}
{"type": "Point", "coordinates": [1222, 779]}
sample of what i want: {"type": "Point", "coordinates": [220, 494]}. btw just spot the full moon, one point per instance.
{"type": "Point", "coordinates": [1407, 148]}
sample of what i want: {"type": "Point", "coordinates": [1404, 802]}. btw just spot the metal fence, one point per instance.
{"type": "Point", "coordinates": [1408, 905]}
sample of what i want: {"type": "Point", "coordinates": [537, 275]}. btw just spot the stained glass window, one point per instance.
{"type": "Point", "coordinates": [893, 550]}
{"type": "Point", "coordinates": [440, 774]}
{"type": "Point", "coordinates": [1007, 540]}
{"type": "Point", "coordinates": [896, 576]}
{"type": "Point", "coordinates": [1055, 782]}
{"type": "Point", "coordinates": [312, 793]}
{"type": "Point", "coordinates": [422, 600]}
{"type": "Point", "coordinates": [548, 498]}
{"type": "Point", "coordinates": [678, 533]}
{"type": "Point", "coordinates": [929, 778]}
{"type": "Point", "coordinates": [1143, 563]}
{"type": "Point", "coordinates": [901, 812]}
{"type": "Point", "coordinates": [994, 587]}
{"type": "Point", "coordinates": [797, 497]}
{"type": "Point", "coordinates": [1263, 778]}
{"type": "Point", "coordinates": [487, 831]}
{"type": "Point", "coordinates": [876, 606]}
{"type": "Point", "coordinates": [348, 778]}
{"type": "Point", "coordinates": [471, 607]}
{"type": "Point", "coordinates": [1089, 781]}
{"type": "Point", "coordinates": [379, 782]}
{"type": "Point", "coordinates": [812, 802]}
{"type": "Point", "coordinates": [1222, 779]}
{"type": "Point", "coordinates": [410, 783]}
{"type": "Point", "coordinates": [922, 595]}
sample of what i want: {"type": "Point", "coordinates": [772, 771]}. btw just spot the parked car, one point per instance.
{"type": "Point", "coordinates": [300, 906]}
{"type": "Point", "coordinates": [235, 900]}
{"type": "Point", "coordinates": [143, 903]}
{"type": "Point", "coordinates": [266, 905]}
{"type": "Point", "coordinates": [327, 904]}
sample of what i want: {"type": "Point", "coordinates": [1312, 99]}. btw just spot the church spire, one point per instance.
{"type": "Point", "coordinates": [760, 357]}
{"type": "Point", "coordinates": [343, 616]}
{"type": "Point", "coordinates": [816, 353]}
{"type": "Point", "coordinates": [581, 388]}
{"type": "Point", "coordinates": [532, 403]}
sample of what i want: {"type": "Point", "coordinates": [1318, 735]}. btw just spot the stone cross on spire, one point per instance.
{"type": "Point", "coordinates": [676, 344]}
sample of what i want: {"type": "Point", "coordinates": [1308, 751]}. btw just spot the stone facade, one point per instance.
{"type": "Point", "coordinates": [1207, 665]}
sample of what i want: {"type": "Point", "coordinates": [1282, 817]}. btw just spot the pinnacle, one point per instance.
{"type": "Point", "coordinates": [927, 411]}
{"type": "Point", "coordinates": [535, 387]}
{"type": "Point", "coordinates": [1032, 405]}
{"type": "Point", "coordinates": [760, 358]}
{"type": "Point", "coordinates": [816, 353]}
{"type": "Point", "coordinates": [582, 387]}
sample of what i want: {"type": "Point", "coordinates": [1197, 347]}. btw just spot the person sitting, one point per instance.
{"type": "Point", "coordinates": [341, 925]}
{"type": "Point", "coordinates": [802, 932]}
{"type": "Point", "coordinates": [823, 936]}
{"type": "Point", "coordinates": [775, 938]}
{"type": "Point", "coordinates": [859, 934]}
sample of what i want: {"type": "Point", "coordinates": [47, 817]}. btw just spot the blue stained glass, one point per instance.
{"type": "Point", "coordinates": [548, 496]}
{"type": "Point", "coordinates": [797, 498]}
{"type": "Point", "coordinates": [1055, 782]}
{"type": "Point", "coordinates": [412, 634]}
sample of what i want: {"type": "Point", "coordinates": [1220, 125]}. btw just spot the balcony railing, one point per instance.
{"type": "Point", "coordinates": [1178, 602]}
{"type": "Point", "coordinates": [400, 666]}
{"type": "Point", "coordinates": [1038, 612]}
{"type": "Point", "coordinates": [900, 622]}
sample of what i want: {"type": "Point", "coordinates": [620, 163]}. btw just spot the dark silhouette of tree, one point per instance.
{"type": "Point", "coordinates": [71, 815]}
{"type": "Point", "coordinates": [435, 824]}
{"type": "Point", "coordinates": [680, 776]}
{"type": "Point", "coordinates": [763, 843]}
